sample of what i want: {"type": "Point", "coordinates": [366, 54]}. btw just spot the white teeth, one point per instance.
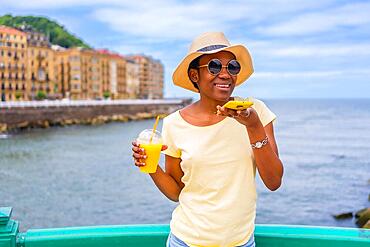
{"type": "Point", "coordinates": [222, 85]}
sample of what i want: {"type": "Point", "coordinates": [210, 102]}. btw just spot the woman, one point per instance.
{"type": "Point", "coordinates": [211, 159]}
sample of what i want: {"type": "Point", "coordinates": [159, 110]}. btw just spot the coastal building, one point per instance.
{"type": "Point", "coordinates": [78, 70]}
{"type": "Point", "coordinates": [113, 72]}
{"type": "Point", "coordinates": [41, 81]}
{"type": "Point", "coordinates": [31, 68]}
{"type": "Point", "coordinates": [150, 77]}
{"type": "Point", "coordinates": [132, 78]}
{"type": "Point", "coordinates": [13, 64]}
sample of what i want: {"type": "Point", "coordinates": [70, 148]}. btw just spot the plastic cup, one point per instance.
{"type": "Point", "coordinates": [152, 149]}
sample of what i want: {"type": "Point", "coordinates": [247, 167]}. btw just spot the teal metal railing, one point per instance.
{"type": "Point", "coordinates": [156, 235]}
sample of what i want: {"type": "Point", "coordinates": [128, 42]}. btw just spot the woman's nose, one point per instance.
{"type": "Point", "coordinates": [224, 73]}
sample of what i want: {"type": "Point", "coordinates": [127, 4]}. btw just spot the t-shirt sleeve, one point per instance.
{"type": "Point", "coordinates": [265, 114]}
{"type": "Point", "coordinates": [167, 137]}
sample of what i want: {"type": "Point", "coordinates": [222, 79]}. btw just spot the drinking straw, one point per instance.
{"type": "Point", "coordinates": [154, 128]}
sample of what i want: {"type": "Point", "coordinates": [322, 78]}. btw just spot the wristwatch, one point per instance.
{"type": "Point", "coordinates": [260, 144]}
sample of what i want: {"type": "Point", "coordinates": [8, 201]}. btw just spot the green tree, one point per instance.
{"type": "Point", "coordinates": [57, 33]}
{"type": "Point", "coordinates": [106, 94]}
{"type": "Point", "coordinates": [18, 95]}
{"type": "Point", "coordinates": [40, 95]}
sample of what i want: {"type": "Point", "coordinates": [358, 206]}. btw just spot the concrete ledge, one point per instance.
{"type": "Point", "coordinates": [23, 115]}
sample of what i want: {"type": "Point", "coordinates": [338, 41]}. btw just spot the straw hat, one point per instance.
{"type": "Point", "coordinates": [209, 43]}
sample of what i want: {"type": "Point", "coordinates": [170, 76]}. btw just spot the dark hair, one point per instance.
{"type": "Point", "coordinates": [194, 65]}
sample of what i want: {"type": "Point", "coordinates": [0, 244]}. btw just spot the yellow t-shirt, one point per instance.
{"type": "Point", "coordinates": [217, 206]}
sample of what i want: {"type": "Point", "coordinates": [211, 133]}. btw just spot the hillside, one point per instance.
{"type": "Point", "coordinates": [57, 33]}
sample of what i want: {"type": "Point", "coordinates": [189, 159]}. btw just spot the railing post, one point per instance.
{"type": "Point", "coordinates": [8, 228]}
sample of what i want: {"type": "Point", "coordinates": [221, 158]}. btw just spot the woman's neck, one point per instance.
{"type": "Point", "coordinates": [207, 105]}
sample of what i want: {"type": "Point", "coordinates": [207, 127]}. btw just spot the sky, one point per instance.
{"type": "Point", "coordinates": [300, 49]}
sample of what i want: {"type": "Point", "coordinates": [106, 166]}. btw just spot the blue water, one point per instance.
{"type": "Point", "coordinates": [83, 175]}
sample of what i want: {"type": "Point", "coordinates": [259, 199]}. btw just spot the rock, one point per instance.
{"type": "Point", "coordinates": [3, 127]}
{"type": "Point", "coordinates": [45, 124]}
{"type": "Point", "coordinates": [23, 125]}
{"type": "Point", "coordinates": [68, 122]}
{"type": "Point", "coordinates": [364, 217]}
{"type": "Point", "coordinates": [122, 118]}
{"type": "Point", "coordinates": [360, 212]}
{"type": "Point", "coordinates": [343, 216]}
{"type": "Point", "coordinates": [367, 225]}
{"type": "Point", "coordinates": [42, 124]}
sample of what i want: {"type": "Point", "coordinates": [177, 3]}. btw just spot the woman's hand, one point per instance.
{"type": "Point", "coordinates": [247, 117]}
{"type": "Point", "coordinates": [139, 154]}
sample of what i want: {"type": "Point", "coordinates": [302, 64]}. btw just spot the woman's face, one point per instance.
{"type": "Point", "coordinates": [218, 87]}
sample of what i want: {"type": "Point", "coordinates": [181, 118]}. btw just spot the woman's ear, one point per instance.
{"type": "Point", "coordinates": [193, 75]}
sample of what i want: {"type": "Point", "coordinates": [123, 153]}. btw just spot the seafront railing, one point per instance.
{"type": "Point", "coordinates": [156, 235]}
{"type": "Point", "coordinates": [71, 103]}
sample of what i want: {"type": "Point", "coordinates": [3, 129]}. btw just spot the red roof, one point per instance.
{"type": "Point", "coordinates": [107, 52]}
{"type": "Point", "coordinates": [11, 30]}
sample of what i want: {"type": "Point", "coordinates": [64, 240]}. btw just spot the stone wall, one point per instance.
{"type": "Point", "coordinates": [30, 117]}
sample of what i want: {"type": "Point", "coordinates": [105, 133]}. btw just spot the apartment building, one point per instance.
{"type": "Point", "coordinates": [132, 78]}
{"type": "Point", "coordinates": [79, 71]}
{"type": "Point", "coordinates": [150, 77]}
{"type": "Point", "coordinates": [113, 72]}
{"type": "Point", "coordinates": [30, 65]}
{"type": "Point", "coordinates": [41, 67]}
{"type": "Point", "coordinates": [13, 65]}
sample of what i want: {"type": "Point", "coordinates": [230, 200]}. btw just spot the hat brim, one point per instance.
{"type": "Point", "coordinates": [180, 75]}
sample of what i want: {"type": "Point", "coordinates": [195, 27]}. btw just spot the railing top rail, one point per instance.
{"type": "Point", "coordinates": [66, 103]}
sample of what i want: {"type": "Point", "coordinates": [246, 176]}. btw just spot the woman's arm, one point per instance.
{"type": "Point", "coordinates": [267, 159]}
{"type": "Point", "coordinates": [169, 181]}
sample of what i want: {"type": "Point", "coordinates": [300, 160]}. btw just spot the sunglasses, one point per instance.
{"type": "Point", "coordinates": [215, 66]}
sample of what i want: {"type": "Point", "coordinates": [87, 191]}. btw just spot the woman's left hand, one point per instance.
{"type": "Point", "coordinates": [247, 117]}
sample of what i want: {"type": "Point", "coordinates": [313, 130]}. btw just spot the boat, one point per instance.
{"type": "Point", "coordinates": [155, 235]}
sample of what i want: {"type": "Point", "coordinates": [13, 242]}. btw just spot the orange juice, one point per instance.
{"type": "Point", "coordinates": [152, 152]}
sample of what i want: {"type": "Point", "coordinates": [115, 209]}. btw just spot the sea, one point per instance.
{"type": "Point", "coordinates": [84, 175]}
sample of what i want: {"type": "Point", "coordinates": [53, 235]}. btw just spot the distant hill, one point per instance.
{"type": "Point", "coordinates": [57, 33]}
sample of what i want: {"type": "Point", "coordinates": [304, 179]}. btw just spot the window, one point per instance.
{"type": "Point", "coordinates": [41, 74]}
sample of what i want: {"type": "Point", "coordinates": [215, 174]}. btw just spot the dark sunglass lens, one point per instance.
{"type": "Point", "coordinates": [214, 66]}
{"type": "Point", "coordinates": [233, 67]}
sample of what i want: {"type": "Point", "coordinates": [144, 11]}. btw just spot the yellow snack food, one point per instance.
{"type": "Point", "coordinates": [238, 105]}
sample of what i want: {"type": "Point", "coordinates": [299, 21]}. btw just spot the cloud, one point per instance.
{"type": "Point", "coordinates": [312, 74]}
{"type": "Point", "coordinates": [323, 50]}
{"type": "Point", "coordinates": [173, 21]}
{"type": "Point", "coordinates": [333, 19]}
{"type": "Point", "coordinates": [320, 50]}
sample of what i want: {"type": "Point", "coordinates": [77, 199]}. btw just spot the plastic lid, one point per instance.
{"type": "Point", "coordinates": [144, 136]}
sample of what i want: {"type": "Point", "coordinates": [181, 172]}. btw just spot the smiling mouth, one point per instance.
{"type": "Point", "coordinates": [218, 85]}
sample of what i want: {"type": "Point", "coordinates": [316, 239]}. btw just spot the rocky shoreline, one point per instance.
{"type": "Point", "coordinates": [362, 216]}
{"type": "Point", "coordinates": [98, 120]}
{"type": "Point", "coordinates": [26, 115]}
